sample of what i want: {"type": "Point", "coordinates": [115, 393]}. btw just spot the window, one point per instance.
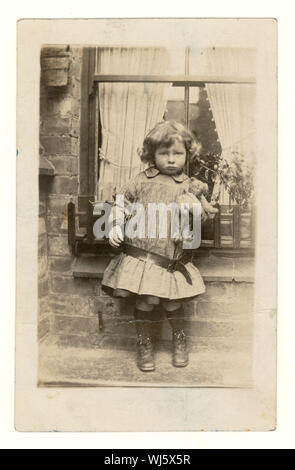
{"type": "Point", "coordinates": [126, 91]}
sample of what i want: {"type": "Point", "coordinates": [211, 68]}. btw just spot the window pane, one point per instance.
{"type": "Point", "coordinates": [175, 109]}
{"type": "Point", "coordinates": [175, 105]}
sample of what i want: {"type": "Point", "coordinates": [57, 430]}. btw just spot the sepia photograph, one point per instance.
{"type": "Point", "coordinates": [156, 126]}
{"type": "Point", "coordinates": [148, 213]}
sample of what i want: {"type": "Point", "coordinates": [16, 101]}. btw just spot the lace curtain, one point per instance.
{"type": "Point", "coordinates": [127, 111]}
{"type": "Point", "coordinates": [233, 105]}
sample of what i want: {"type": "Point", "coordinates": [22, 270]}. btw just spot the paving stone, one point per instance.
{"type": "Point", "coordinates": [68, 366]}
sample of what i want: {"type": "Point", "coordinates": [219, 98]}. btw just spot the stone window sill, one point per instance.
{"type": "Point", "coordinates": [212, 268]}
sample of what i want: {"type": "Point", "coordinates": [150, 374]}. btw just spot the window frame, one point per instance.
{"type": "Point", "coordinates": [89, 137]}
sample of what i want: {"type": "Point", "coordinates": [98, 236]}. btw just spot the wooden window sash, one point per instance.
{"type": "Point", "coordinates": [88, 133]}
{"type": "Point", "coordinates": [176, 80]}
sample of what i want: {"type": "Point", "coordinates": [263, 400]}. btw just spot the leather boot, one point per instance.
{"type": "Point", "coordinates": [145, 356]}
{"type": "Point", "coordinates": [180, 354]}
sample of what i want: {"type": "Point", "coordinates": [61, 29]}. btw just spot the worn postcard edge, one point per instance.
{"type": "Point", "coordinates": [146, 409]}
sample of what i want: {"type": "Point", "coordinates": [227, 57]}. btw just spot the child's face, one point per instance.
{"type": "Point", "coordinates": [171, 160]}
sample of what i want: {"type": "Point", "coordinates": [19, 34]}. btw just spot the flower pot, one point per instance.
{"type": "Point", "coordinates": [245, 226]}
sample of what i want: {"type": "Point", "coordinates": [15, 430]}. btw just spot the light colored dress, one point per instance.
{"type": "Point", "coordinates": [126, 275]}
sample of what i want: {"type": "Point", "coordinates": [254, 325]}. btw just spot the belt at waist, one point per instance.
{"type": "Point", "coordinates": [170, 264]}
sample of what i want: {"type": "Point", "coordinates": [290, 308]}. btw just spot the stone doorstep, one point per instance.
{"type": "Point", "coordinates": [212, 268]}
{"type": "Point", "coordinates": [78, 366]}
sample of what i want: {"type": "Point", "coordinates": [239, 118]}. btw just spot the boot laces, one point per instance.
{"type": "Point", "coordinates": [144, 341]}
{"type": "Point", "coordinates": [179, 339]}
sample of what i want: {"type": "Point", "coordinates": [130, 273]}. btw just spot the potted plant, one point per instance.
{"type": "Point", "coordinates": [236, 173]}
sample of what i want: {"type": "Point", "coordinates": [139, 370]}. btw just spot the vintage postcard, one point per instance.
{"type": "Point", "coordinates": [146, 225]}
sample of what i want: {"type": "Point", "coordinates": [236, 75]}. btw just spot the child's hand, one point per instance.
{"type": "Point", "coordinates": [208, 208]}
{"type": "Point", "coordinates": [204, 215]}
{"type": "Point", "coordinates": [116, 236]}
{"type": "Point", "coordinates": [211, 211]}
{"type": "Point", "coordinates": [177, 239]}
{"type": "Point", "coordinates": [212, 214]}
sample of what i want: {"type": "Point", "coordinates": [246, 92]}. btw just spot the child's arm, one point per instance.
{"type": "Point", "coordinates": [116, 236]}
{"type": "Point", "coordinates": [124, 197]}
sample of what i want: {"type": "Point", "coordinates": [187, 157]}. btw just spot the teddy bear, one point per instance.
{"type": "Point", "coordinates": [197, 189]}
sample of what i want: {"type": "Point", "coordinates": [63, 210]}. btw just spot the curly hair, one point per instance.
{"type": "Point", "coordinates": [164, 134]}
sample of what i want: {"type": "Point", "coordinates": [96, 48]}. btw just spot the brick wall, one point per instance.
{"type": "Point", "coordinates": [59, 136]}
{"type": "Point", "coordinates": [224, 311]}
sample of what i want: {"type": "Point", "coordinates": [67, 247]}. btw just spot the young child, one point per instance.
{"type": "Point", "coordinates": [151, 268]}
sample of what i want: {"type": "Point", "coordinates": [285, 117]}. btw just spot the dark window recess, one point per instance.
{"type": "Point", "coordinates": [202, 124]}
{"type": "Point", "coordinates": [88, 136]}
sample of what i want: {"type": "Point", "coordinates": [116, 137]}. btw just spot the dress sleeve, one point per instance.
{"type": "Point", "coordinates": [125, 195]}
